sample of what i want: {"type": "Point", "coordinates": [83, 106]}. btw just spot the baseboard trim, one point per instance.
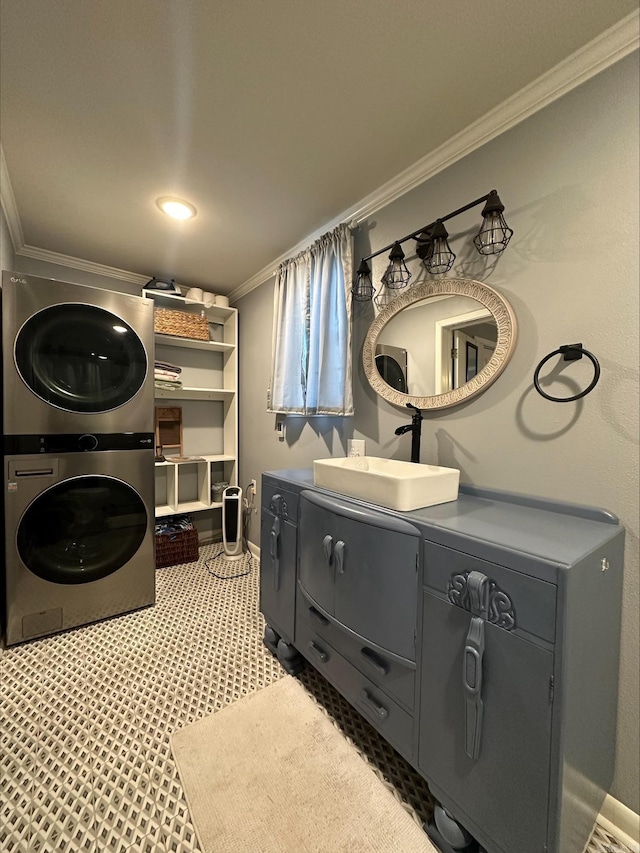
{"type": "Point", "coordinates": [621, 822]}
{"type": "Point", "coordinates": [254, 549]}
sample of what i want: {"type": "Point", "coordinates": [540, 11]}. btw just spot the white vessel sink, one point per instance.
{"type": "Point", "coordinates": [387, 482]}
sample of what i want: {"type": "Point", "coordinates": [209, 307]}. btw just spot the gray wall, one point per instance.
{"type": "Point", "coordinates": [568, 177]}
{"type": "Point", "coordinates": [7, 257]}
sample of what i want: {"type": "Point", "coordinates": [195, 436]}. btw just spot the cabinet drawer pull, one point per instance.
{"type": "Point", "coordinates": [339, 556]}
{"type": "Point", "coordinates": [369, 702]}
{"type": "Point", "coordinates": [375, 661]}
{"type": "Point", "coordinates": [318, 616]}
{"type": "Point", "coordinates": [472, 686]}
{"type": "Point", "coordinates": [274, 547]}
{"type": "Point", "coordinates": [318, 652]}
{"type": "Point", "coordinates": [327, 546]}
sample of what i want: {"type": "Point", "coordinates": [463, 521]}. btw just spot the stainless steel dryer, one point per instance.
{"type": "Point", "coordinates": [79, 533]}
{"type": "Point", "coordinates": [75, 358]}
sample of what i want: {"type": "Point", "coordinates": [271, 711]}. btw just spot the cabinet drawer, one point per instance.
{"type": "Point", "coordinates": [391, 673]}
{"type": "Point", "coordinates": [279, 501]}
{"type": "Point", "coordinates": [517, 602]}
{"type": "Point", "coordinates": [393, 723]}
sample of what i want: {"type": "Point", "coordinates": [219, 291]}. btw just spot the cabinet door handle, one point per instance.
{"type": "Point", "coordinates": [318, 616]}
{"type": "Point", "coordinates": [339, 556]}
{"type": "Point", "coordinates": [318, 652]}
{"type": "Point", "coordinates": [472, 686]}
{"type": "Point", "coordinates": [274, 548]}
{"type": "Point", "coordinates": [375, 661]}
{"type": "Point", "coordinates": [327, 546]}
{"type": "Point", "coordinates": [369, 702]}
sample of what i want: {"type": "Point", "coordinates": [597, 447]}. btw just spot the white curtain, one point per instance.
{"type": "Point", "coordinates": [311, 347]}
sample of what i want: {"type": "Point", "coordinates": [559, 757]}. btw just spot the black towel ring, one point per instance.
{"type": "Point", "coordinates": [570, 352]}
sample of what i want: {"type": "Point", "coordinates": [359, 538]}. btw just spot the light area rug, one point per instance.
{"type": "Point", "coordinates": [272, 774]}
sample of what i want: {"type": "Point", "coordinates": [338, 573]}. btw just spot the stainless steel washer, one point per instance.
{"type": "Point", "coordinates": [75, 358]}
{"type": "Point", "coordinates": [79, 538]}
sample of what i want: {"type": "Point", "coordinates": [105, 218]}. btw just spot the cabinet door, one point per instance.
{"type": "Point", "coordinates": [319, 532]}
{"type": "Point", "coordinates": [505, 789]}
{"type": "Point", "coordinates": [278, 541]}
{"type": "Point", "coordinates": [376, 584]}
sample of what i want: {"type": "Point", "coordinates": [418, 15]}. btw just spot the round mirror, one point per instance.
{"type": "Point", "coordinates": [439, 344]}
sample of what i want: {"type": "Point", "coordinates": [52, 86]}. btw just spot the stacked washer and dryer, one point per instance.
{"type": "Point", "coordinates": [77, 397]}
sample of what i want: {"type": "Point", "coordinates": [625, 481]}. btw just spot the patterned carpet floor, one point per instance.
{"type": "Point", "coordinates": [85, 718]}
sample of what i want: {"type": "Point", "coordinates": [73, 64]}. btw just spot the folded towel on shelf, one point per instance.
{"type": "Point", "coordinates": [169, 375]}
{"type": "Point", "coordinates": [166, 365]}
{"type": "Point", "coordinates": [167, 385]}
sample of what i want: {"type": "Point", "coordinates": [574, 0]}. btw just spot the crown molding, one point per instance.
{"type": "Point", "coordinates": [80, 264]}
{"type": "Point", "coordinates": [596, 56]}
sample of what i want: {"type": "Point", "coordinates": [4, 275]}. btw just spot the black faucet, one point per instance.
{"type": "Point", "coordinates": [415, 427]}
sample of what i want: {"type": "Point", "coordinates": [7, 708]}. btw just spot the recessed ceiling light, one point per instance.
{"type": "Point", "coordinates": [176, 208]}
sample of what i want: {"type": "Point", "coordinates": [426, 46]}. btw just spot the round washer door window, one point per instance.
{"type": "Point", "coordinates": [391, 372]}
{"type": "Point", "coordinates": [80, 358]}
{"type": "Point", "coordinates": [81, 530]}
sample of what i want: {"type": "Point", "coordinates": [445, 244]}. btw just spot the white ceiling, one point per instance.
{"type": "Point", "coordinates": [272, 117]}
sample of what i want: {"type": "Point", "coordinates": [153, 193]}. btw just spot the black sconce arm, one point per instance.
{"type": "Point", "coordinates": [426, 228]}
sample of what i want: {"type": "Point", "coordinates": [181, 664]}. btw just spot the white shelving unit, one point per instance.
{"type": "Point", "coordinates": [209, 403]}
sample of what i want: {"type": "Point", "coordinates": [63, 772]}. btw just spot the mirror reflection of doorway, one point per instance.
{"type": "Point", "coordinates": [392, 366]}
{"type": "Point", "coordinates": [472, 347]}
{"type": "Point", "coordinates": [465, 344]}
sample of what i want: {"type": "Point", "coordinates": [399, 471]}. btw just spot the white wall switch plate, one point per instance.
{"type": "Point", "coordinates": [356, 447]}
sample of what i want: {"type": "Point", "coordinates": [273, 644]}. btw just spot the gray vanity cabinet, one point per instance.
{"type": "Point", "coordinates": [480, 637]}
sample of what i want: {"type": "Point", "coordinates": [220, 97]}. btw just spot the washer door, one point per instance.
{"type": "Point", "coordinates": [80, 358]}
{"type": "Point", "coordinates": [391, 372]}
{"type": "Point", "coordinates": [81, 530]}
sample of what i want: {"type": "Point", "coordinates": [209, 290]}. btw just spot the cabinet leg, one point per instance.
{"type": "Point", "coordinates": [271, 640]}
{"type": "Point", "coordinates": [290, 658]}
{"type": "Point", "coordinates": [449, 835]}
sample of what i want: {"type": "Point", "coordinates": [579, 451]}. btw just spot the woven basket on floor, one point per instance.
{"type": "Point", "coordinates": [175, 548]}
{"type": "Point", "coordinates": [181, 324]}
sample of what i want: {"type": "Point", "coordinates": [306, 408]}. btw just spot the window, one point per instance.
{"type": "Point", "coordinates": [311, 349]}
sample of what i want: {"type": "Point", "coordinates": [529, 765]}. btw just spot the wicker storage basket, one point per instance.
{"type": "Point", "coordinates": [181, 324]}
{"type": "Point", "coordinates": [175, 548]}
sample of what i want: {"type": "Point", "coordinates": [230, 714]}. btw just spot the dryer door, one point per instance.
{"type": "Point", "coordinates": [80, 358]}
{"type": "Point", "coordinates": [81, 529]}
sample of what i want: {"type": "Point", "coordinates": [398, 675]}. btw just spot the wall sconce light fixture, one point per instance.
{"type": "Point", "coordinates": [494, 234]}
{"type": "Point", "coordinates": [396, 275]}
{"type": "Point", "coordinates": [435, 250]}
{"type": "Point", "coordinates": [432, 246]}
{"type": "Point", "coordinates": [363, 289]}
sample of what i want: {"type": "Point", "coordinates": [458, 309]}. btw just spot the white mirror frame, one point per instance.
{"type": "Point", "coordinates": [501, 312]}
